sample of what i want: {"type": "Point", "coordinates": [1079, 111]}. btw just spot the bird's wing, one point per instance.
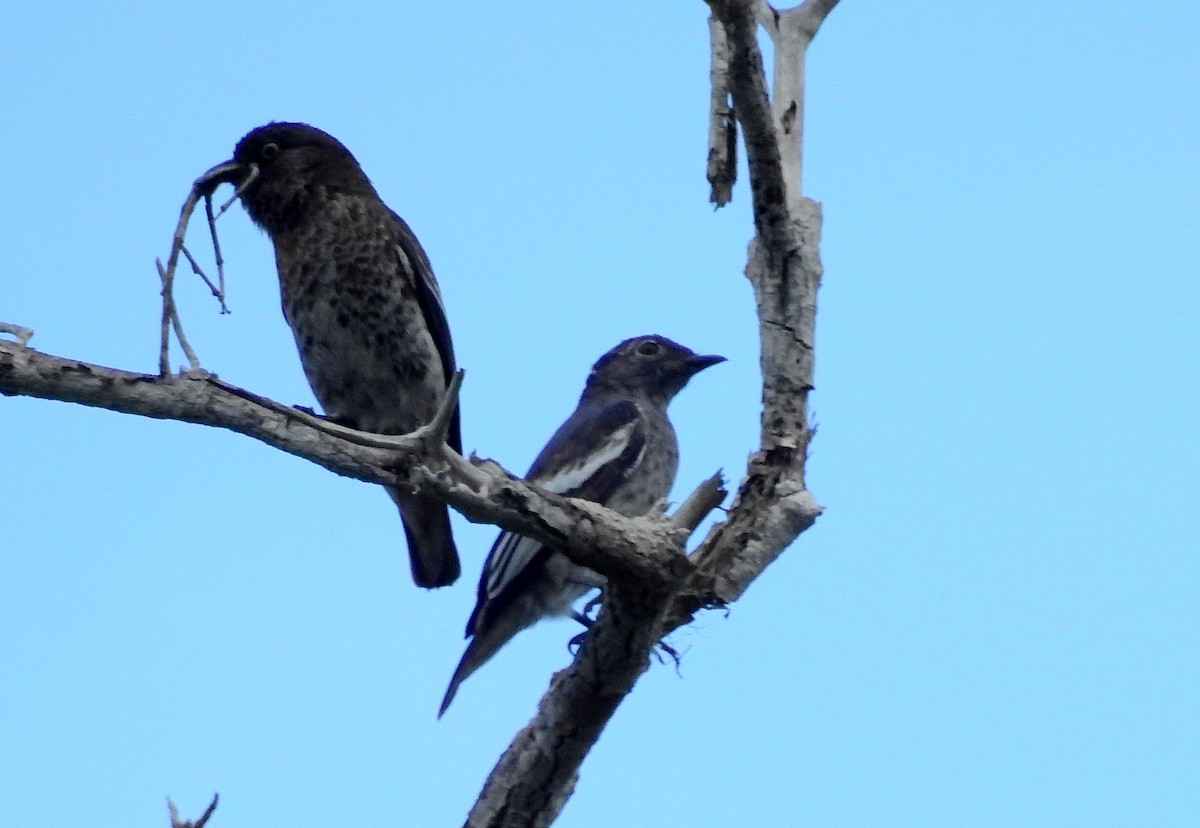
{"type": "Point", "coordinates": [592, 452]}
{"type": "Point", "coordinates": [413, 259]}
{"type": "Point", "coordinates": [588, 457]}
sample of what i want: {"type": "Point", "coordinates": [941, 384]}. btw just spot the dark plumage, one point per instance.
{"type": "Point", "coordinates": [618, 448]}
{"type": "Point", "coordinates": [361, 299]}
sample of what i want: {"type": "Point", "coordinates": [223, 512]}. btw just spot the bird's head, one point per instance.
{"type": "Point", "coordinates": [652, 365]}
{"type": "Point", "coordinates": [277, 169]}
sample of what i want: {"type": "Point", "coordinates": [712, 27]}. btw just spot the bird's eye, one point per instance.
{"type": "Point", "coordinates": [269, 150]}
{"type": "Point", "coordinates": [649, 348]}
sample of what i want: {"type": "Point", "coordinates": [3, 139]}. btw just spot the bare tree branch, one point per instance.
{"type": "Point", "coordinates": [620, 548]}
{"type": "Point", "coordinates": [23, 335]}
{"type": "Point", "coordinates": [536, 775]}
{"type": "Point", "coordinates": [773, 505]}
{"type": "Point", "coordinates": [642, 559]}
{"type": "Point", "coordinates": [170, 318]}
{"type": "Point", "coordinates": [707, 496]}
{"type": "Point", "coordinates": [167, 276]}
{"type": "Point", "coordinates": [722, 125]}
{"type": "Point", "coordinates": [791, 31]}
{"type": "Point", "coordinates": [219, 291]}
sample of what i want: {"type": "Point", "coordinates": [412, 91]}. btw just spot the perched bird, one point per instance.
{"type": "Point", "coordinates": [361, 299]}
{"type": "Point", "coordinates": [617, 449]}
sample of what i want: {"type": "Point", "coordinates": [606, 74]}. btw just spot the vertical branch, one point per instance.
{"type": "Point", "coordinates": [787, 300]}
{"type": "Point", "coordinates": [748, 88]}
{"type": "Point", "coordinates": [787, 98]}
{"type": "Point", "coordinates": [791, 31]}
{"type": "Point", "coordinates": [722, 125]}
{"type": "Point", "coordinates": [773, 505]}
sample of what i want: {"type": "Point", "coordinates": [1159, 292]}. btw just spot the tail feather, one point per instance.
{"type": "Point", "coordinates": [431, 549]}
{"type": "Point", "coordinates": [482, 647]}
{"type": "Point", "coordinates": [558, 583]}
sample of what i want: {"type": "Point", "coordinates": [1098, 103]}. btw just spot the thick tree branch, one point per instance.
{"type": "Point", "coordinates": [642, 559]}
{"type": "Point", "coordinates": [647, 549]}
{"type": "Point", "coordinates": [536, 775]}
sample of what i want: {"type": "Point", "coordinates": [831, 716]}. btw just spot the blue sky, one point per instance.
{"type": "Point", "coordinates": [995, 622]}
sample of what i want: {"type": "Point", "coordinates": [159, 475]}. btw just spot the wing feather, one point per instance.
{"type": "Point", "coordinates": [429, 297]}
{"type": "Point", "coordinates": [588, 457]}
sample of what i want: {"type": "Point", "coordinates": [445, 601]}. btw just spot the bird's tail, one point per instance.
{"type": "Point", "coordinates": [482, 647]}
{"type": "Point", "coordinates": [431, 549]}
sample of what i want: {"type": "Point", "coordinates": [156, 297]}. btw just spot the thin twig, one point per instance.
{"type": "Point", "coordinates": [216, 243]}
{"type": "Point", "coordinates": [241, 188]}
{"type": "Point", "coordinates": [22, 334]}
{"type": "Point", "coordinates": [199, 271]}
{"type": "Point", "coordinates": [164, 331]}
{"type": "Point", "coordinates": [722, 125]}
{"type": "Point", "coordinates": [176, 822]}
{"type": "Point", "coordinates": [706, 497]}
{"type": "Point", "coordinates": [167, 276]}
{"type": "Point", "coordinates": [439, 426]}
{"type": "Point", "coordinates": [172, 315]}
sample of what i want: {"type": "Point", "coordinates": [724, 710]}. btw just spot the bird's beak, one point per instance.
{"type": "Point", "coordinates": [227, 172]}
{"type": "Point", "coordinates": [698, 362]}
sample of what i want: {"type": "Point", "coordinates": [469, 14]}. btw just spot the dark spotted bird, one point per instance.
{"type": "Point", "coordinates": [619, 449]}
{"type": "Point", "coordinates": [361, 299]}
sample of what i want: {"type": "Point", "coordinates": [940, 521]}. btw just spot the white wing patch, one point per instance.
{"type": "Point", "coordinates": [514, 552]}
{"type": "Point", "coordinates": [572, 476]}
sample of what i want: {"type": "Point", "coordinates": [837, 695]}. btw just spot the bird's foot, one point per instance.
{"type": "Point", "coordinates": [577, 641]}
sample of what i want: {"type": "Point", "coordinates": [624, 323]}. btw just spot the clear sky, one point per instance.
{"type": "Point", "coordinates": [995, 622]}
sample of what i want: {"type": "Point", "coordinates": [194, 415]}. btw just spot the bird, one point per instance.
{"type": "Point", "coordinates": [618, 449]}
{"type": "Point", "coordinates": [359, 294]}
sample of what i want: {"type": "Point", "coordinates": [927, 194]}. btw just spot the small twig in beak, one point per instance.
{"type": "Point", "coordinates": [241, 188]}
